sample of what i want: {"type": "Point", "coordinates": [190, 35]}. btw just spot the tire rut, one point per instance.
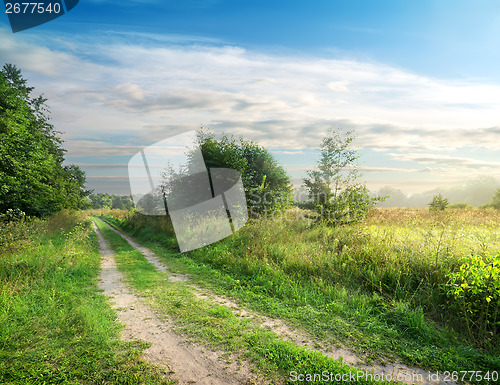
{"type": "Point", "coordinates": [188, 362]}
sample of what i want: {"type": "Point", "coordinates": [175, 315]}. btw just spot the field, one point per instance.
{"type": "Point", "coordinates": [405, 286]}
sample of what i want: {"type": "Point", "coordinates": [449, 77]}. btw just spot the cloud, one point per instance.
{"type": "Point", "coordinates": [80, 148]}
{"type": "Point", "coordinates": [114, 94]}
{"type": "Point", "coordinates": [288, 152]}
{"type": "Point", "coordinates": [100, 166]}
{"type": "Point", "coordinates": [125, 87]}
{"type": "Point", "coordinates": [365, 169]}
{"type": "Point", "coordinates": [446, 160]}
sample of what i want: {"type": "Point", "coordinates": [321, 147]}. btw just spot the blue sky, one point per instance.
{"type": "Point", "coordinates": [417, 81]}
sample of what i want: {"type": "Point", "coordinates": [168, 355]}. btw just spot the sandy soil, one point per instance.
{"type": "Point", "coordinates": [139, 327]}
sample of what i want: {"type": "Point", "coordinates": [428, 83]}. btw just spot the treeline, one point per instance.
{"type": "Point", "coordinates": [107, 201]}
{"type": "Point", "coordinates": [33, 180]}
{"type": "Point", "coordinates": [478, 192]}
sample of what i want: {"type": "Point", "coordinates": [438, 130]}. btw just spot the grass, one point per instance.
{"type": "Point", "coordinates": [216, 325]}
{"type": "Point", "coordinates": [55, 325]}
{"type": "Point", "coordinates": [378, 287]}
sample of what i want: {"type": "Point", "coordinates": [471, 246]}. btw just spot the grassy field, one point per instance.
{"type": "Point", "coordinates": [382, 288]}
{"type": "Point", "coordinates": [55, 325]}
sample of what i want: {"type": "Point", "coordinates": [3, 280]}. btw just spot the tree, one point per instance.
{"type": "Point", "coordinates": [266, 184]}
{"type": "Point", "coordinates": [334, 189]}
{"type": "Point", "coordinates": [100, 201]}
{"type": "Point", "coordinates": [32, 177]}
{"type": "Point", "coordinates": [438, 203]}
{"type": "Point", "coordinates": [122, 202]}
{"type": "Point", "coordinates": [496, 200]}
{"type": "Point", "coordinates": [107, 201]}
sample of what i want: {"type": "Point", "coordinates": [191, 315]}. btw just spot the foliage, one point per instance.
{"type": "Point", "coordinates": [107, 201]}
{"type": "Point", "coordinates": [495, 202]}
{"type": "Point", "coordinates": [334, 189]}
{"type": "Point", "coordinates": [32, 177]}
{"type": "Point", "coordinates": [461, 205]}
{"type": "Point", "coordinates": [266, 183]}
{"type": "Point", "coordinates": [13, 215]}
{"type": "Point", "coordinates": [438, 203]}
{"type": "Point", "coordinates": [475, 290]}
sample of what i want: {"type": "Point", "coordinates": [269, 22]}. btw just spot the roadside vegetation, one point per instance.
{"type": "Point", "coordinates": [216, 325]}
{"type": "Point", "coordinates": [384, 288]}
{"type": "Point", "coordinates": [33, 179]}
{"type": "Point", "coordinates": [55, 325]}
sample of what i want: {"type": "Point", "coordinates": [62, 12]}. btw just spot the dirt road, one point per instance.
{"type": "Point", "coordinates": [187, 362]}
{"type": "Point", "coordinates": [192, 363]}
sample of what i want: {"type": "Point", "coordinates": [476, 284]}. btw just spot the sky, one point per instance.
{"type": "Point", "coordinates": [418, 82]}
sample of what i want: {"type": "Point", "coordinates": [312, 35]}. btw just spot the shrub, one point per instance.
{"type": "Point", "coordinates": [461, 205]}
{"type": "Point", "coordinates": [13, 215]}
{"type": "Point", "coordinates": [438, 203]}
{"type": "Point", "coordinates": [266, 183]}
{"type": "Point", "coordinates": [475, 293]}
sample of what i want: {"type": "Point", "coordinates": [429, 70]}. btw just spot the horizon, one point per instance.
{"type": "Point", "coordinates": [417, 83]}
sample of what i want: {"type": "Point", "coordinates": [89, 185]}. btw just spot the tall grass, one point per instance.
{"type": "Point", "coordinates": [379, 286]}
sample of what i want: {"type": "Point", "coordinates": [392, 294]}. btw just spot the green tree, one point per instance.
{"type": "Point", "coordinates": [100, 201]}
{"type": "Point", "coordinates": [438, 203]}
{"type": "Point", "coordinates": [496, 200]}
{"type": "Point", "coordinates": [266, 183]}
{"type": "Point", "coordinates": [334, 188]}
{"type": "Point", "coordinates": [32, 177]}
{"type": "Point", "coordinates": [122, 202]}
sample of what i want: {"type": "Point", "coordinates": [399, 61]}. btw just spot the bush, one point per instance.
{"type": "Point", "coordinates": [438, 203]}
{"type": "Point", "coordinates": [461, 205]}
{"type": "Point", "coordinates": [475, 293]}
{"type": "Point", "coordinates": [266, 183]}
{"type": "Point", "coordinates": [13, 215]}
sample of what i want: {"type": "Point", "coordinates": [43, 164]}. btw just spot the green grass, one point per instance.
{"type": "Point", "coordinates": [215, 325]}
{"type": "Point", "coordinates": [55, 325]}
{"type": "Point", "coordinates": [377, 287]}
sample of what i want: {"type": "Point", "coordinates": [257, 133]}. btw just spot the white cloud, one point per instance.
{"type": "Point", "coordinates": [447, 160]}
{"type": "Point", "coordinates": [79, 148]}
{"type": "Point", "coordinates": [102, 89]}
